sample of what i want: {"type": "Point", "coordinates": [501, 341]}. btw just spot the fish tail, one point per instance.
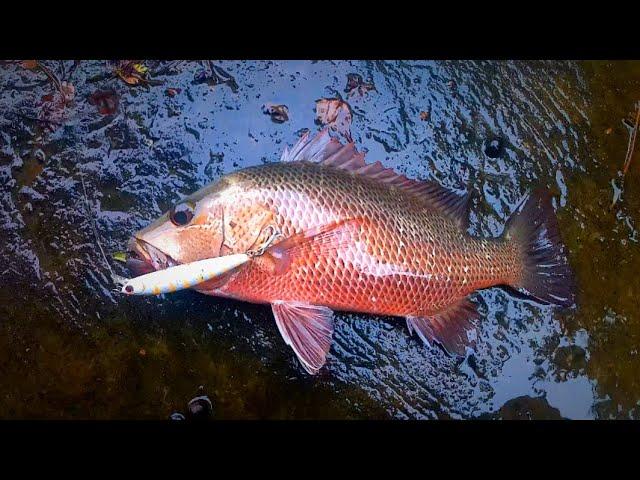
{"type": "Point", "coordinates": [544, 271]}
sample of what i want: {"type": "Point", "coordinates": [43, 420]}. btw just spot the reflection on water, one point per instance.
{"type": "Point", "coordinates": [71, 348]}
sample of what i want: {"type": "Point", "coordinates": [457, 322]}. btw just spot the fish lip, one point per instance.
{"type": "Point", "coordinates": [145, 257]}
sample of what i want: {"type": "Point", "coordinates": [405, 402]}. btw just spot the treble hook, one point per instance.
{"type": "Point", "coordinates": [274, 235]}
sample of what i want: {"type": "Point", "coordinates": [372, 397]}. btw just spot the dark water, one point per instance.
{"type": "Point", "coordinates": [70, 348]}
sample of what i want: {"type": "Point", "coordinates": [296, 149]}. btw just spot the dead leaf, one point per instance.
{"type": "Point", "coordinates": [53, 105]}
{"type": "Point", "coordinates": [336, 114]}
{"type": "Point", "coordinates": [68, 91]}
{"type": "Point", "coordinates": [131, 72]}
{"type": "Point", "coordinates": [424, 115]}
{"type": "Point", "coordinates": [355, 83]}
{"type": "Point", "coordinates": [29, 64]}
{"type": "Point", "coordinates": [278, 113]}
{"type": "Point", "coordinates": [130, 79]}
{"type": "Point", "coordinates": [140, 68]}
{"type": "Point", "coordinates": [172, 92]}
{"type": "Point", "coordinates": [608, 131]}
{"type": "Point", "coordinates": [105, 100]}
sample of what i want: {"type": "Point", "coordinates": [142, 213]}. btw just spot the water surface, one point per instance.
{"type": "Point", "coordinates": [71, 348]}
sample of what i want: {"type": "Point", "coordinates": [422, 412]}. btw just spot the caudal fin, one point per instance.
{"type": "Point", "coordinates": [546, 274]}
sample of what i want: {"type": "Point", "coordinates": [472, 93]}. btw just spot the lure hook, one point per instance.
{"type": "Point", "coordinates": [275, 234]}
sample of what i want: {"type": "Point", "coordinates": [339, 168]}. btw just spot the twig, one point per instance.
{"type": "Point", "coordinates": [51, 76]}
{"type": "Point", "coordinates": [627, 159]}
{"type": "Point", "coordinates": [114, 277]}
{"type": "Point", "coordinates": [70, 73]}
{"type": "Point", "coordinates": [632, 142]}
{"type": "Point", "coordinates": [34, 119]}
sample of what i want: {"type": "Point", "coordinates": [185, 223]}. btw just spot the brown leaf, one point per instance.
{"type": "Point", "coordinates": [29, 64]}
{"type": "Point", "coordinates": [336, 114]}
{"type": "Point", "coordinates": [68, 91]}
{"type": "Point", "coordinates": [172, 92]}
{"type": "Point", "coordinates": [105, 100]}
{"type": "Point", "coordinates": [355, 83]}
{"type": "Point", "coordinates": [131, 72]}
{"type": "Point", "coordinates": [278, 113]}
{"type": "Point", "coordinates": [424, 115]}
{"type": "Point", "coordinates": [131, 79]}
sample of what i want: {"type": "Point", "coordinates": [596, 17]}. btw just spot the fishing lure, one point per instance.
{"type": "Point", "coordinates": [187, 275]}
{"type": "Point", "coordinates": [183, 276]}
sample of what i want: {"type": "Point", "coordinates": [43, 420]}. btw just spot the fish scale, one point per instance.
{"type": "Point", "coordinates": [405, 260]}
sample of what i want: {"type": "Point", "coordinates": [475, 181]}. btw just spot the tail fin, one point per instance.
{"type": "Point", "coordinates": [546, 274]}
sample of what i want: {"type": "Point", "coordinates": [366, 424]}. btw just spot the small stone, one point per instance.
{"type": "Point", "coordinates": [570, 358]}
{"type": "Point", "coordinates": [40, 156]}
{"type": "Point", "coordinates": [424, 115]}
{"type": "Point", "coordinates": [494, 148]}
{"type": "Point", "coordinates": [200, 408]}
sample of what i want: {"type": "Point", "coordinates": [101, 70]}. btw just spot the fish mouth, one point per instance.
{"type": "Point", "coordinates": [144, 258]}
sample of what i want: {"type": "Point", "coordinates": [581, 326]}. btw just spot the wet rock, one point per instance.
{"type": "Point", "coordinates": [570, 358]}
{"type": "Point", "coordinates": [527, 408]}
{"type": "Point", "coordinates": [494, 147]}
{"type": "Point", "coordinates": [176, 416]}
{"type": "Point", "coordinates": [200, 408]}
{"type": "Point", "coordinates": [121, 137]}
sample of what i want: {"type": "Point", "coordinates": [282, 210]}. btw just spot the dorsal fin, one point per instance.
{"type": "Point", "coordinates": [324, 149]}
{"type": "Point", "coordinates": [321, 146]}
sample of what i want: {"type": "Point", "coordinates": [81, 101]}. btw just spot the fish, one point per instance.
{"type": "Point", "coordinates": [357, 237]}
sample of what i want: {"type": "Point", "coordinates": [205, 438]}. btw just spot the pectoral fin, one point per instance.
{"type": "Point", "coordinates": [316, 241]}
{"type": "Point", "coordinates": [448, 327]}
{"type": "Point", "coordinates": [307, 329]}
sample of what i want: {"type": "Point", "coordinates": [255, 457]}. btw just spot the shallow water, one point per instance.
{"type": "Point", "coordinates": [70, 348]}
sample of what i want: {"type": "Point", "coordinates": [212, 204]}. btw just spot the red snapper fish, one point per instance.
{"type": "Point", "coordinates": [354, 236]}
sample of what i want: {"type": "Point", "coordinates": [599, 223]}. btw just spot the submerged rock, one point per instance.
{"type": "Point", "coordinates": [527, 408]}
{"type": "Point", "coordinates": [200, 408]}
{"type": "Point", "coordinates": [494, 147]}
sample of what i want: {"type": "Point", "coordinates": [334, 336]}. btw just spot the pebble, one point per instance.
{"type": "Point", "coordinates": [200, 408]}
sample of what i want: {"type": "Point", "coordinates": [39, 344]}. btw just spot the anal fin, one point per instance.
{"type": "Point", "coordinates": [307, 329]}
{"type": "Point", "coordinates": [448, 327]}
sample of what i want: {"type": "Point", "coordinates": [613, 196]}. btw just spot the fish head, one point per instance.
{"type": "Point", "coordinates": [193, 229]}
{"type": "Point", "coordinates": [220, 219]}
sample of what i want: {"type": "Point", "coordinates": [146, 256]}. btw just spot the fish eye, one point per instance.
{"type": "Point", "coordinates": [181, 214]}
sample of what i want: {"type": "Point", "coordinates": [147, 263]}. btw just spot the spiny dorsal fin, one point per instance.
{"type": "Point", "coordinates": [324, 149]}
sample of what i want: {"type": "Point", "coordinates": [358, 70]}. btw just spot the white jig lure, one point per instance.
{"type": "Point", "coordinates": [182, 276]}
